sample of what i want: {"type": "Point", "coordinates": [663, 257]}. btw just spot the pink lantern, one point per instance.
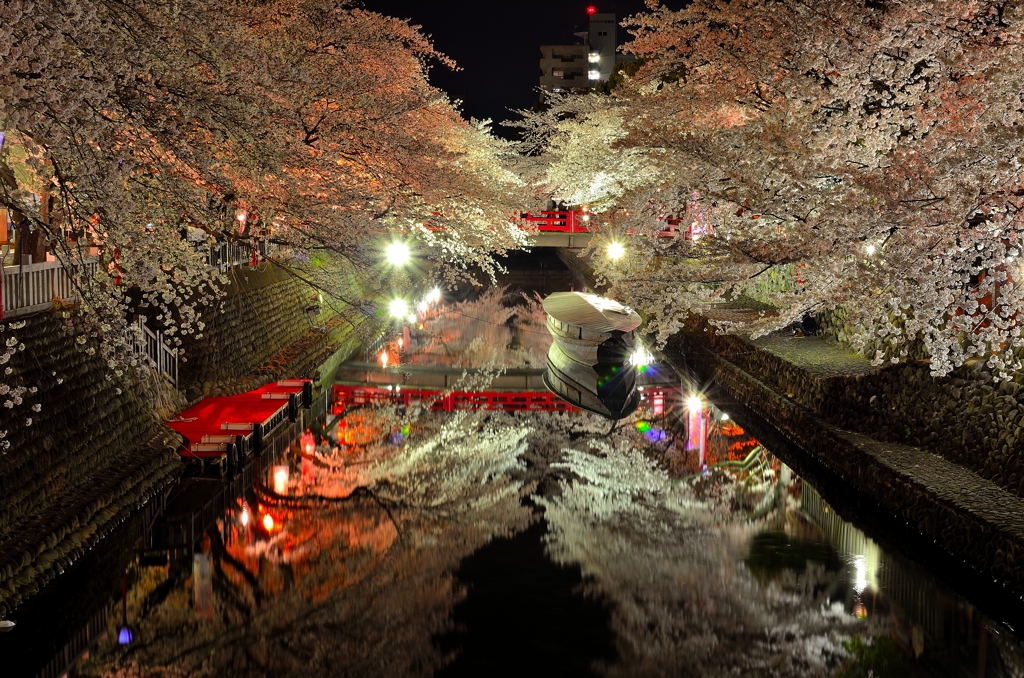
{"type": "Point", "coordinates": [308, 444]}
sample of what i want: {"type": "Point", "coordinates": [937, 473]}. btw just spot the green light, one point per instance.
{"type": "Point", "coordinates": [406, 430]}
{"type": "Point", "coordinates": [643, 426]}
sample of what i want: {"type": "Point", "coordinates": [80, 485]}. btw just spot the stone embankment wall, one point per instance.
{"type": "Point", "coordinates": [261, 332]}
{"type": "Point", "coordinates": [97, 451]}
{"type": "Point", "coordinates": [966, 516]}
{"type": "Point", "coordinates": [966, 417]}
{"type": "Point", "coordinates": [92, 455]}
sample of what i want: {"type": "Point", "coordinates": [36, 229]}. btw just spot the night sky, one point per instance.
{"type": "Point", "coordinates": [497, 44]}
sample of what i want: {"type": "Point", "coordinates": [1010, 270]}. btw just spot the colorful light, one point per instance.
{"type": "Point", "coordinates": [694, 404]}
{"type": "Point", "coordinates": [591, 10]}
{"type": "Point", "coordinates": [397, 253]}
{"type": "Point", "coordinates": [125, 636]}
{"type": "Point", "coordinates": [268, 522]}
{"type": "Point", "coordinates": [643, 426]}
{"type": "Point", "coordinates": [245, 515]}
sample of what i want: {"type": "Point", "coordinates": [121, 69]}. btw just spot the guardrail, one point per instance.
{"type": "Point", "coordinates": [162, 357]}
{"type": "Point", "coordinates": [31, 288]}
{"type": "Point", "coordinates": [224, 255]}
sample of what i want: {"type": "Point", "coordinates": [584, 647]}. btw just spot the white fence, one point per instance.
{"type": "Point", "coordinates": [31, 288]}
{"type": "Point", "coordinates": [162, 357]}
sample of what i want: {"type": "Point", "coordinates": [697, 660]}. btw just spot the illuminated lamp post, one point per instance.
{"type": "Point", "coordinates": [397, 253]}
{"type": "Point", "coordinates": [616, 250]}
{"type": "Point", "coordinates": [398, 308]}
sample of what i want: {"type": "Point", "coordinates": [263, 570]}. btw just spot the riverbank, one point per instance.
{"type": "Point", "coordinates": [881, 431]}
{"type": "Point", "coordinates": [96, 452]}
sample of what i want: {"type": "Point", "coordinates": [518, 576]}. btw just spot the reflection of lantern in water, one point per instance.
{"type": "Point", "coordinates": [697, 427]}
{"type": "Point", "coordinates": [308, 444]}
{"type": "Point", "coordinates": [245, 515]}
{"type": "Point", "coordinates": [268, 522]}
{"type": "Point", "coordinates": [281, 479]}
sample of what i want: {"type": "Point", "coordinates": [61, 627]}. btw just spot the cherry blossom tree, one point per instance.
{"type": "Point", "coordinates": [309, 122]}
{"type": "Point", "coordinates": [843, 153]}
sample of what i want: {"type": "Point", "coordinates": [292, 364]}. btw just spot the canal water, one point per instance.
{"type": "Point", "coordinates": [491, 543]}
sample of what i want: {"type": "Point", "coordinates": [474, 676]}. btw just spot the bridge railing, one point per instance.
{"type": "Point", "coordinates": [557, 222]}
{"type": "Point", "coordinates": [31, 288]}
{"type": "Point", "coordinates": [162, 357]}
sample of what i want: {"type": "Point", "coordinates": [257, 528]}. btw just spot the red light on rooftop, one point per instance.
{"type": "Point", "coordinates": [591, 10]}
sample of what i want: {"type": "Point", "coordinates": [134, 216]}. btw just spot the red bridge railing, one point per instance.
{"type": "Point", "coordinates": [508, 401]}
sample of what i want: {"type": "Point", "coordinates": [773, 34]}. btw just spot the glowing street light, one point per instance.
{"type": "Point", "coordinates": [694, 404]}
{"type": "Point", "coordinates": [870, 249]}
{"type": "Point", "coordinates": [435, 295]}
{"type": "Point", "coordinates": [398, 308]}
{"type": "Point", "coordinates": [397, 253]}
{"type": "Point", "coordinates": [640, 358]}
{"type": "Point", "coordinates": [616, 251]}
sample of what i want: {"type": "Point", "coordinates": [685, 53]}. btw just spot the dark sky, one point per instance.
{"type": "Point", "coordinates": [496, 43]}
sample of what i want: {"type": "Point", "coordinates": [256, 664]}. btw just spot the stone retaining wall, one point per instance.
{"type": "Point", "coordinates": [966, 417]}
{"type": "Point", "coordinates": [966, 516]}
{"type": "Point", "coordinates": [94, 453]}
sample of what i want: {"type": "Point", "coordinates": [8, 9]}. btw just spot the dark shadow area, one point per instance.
{"type": "Point", "coordinates": [525, 615]}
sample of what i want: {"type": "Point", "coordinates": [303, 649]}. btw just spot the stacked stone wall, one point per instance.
{"type": "Point", "coordinates": [94, 453]}
{"type": "Point", "coordinates": [966, 417]}
{"type": "Point", "coordinates": [965, 516]}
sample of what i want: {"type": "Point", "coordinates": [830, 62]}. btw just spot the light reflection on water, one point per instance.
{"type": "Point", "coordinates": [700, 552]}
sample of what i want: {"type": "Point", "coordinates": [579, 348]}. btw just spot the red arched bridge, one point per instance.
{"type": "Point", "coordinates": [348, 395]}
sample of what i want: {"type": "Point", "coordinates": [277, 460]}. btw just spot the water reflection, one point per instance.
{"type": "Point", "coordinates": [671, 544]}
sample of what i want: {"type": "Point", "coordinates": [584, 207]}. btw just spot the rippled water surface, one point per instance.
{"type": "Point", "coordinates": [489, 543]}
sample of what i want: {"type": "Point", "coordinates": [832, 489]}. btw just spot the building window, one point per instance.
{"type": "Point", "coordinates": [558, 74]}
{"type": "Point", "coordinates": [595, 75]}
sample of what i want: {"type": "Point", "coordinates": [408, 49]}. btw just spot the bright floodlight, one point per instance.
{"type": "Point", "coordinates": [398, 308]}
{"type": "Point", "coordinates": [435, 295]}
{"type": "Point", "coordinates": [397, 253]}
{"type": "Point", "coordinates": [693, 403]}
{"type": "Point", "coordinates": [870, 249]}
{"type": "Point", "coordinates": [616, 250]}
{"type": "Point", "coordinates": [640, 357]}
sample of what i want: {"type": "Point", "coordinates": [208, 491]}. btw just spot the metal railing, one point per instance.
{"type": "Point", "coordinates": [180, 534]}
{"type": "Point", "coordinates": [80, 642]}
{"type": "Point", "coordinates": [162, 357]}
{"type": "Point", "coordinates": [31, 288]}
{"type": "Point", "coordinates": [224, 255]}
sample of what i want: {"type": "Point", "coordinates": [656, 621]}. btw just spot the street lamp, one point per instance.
{"type": "Point", "coordinates": [616, 250]}
{"type": "Point", "coordinates": [399, 308]}
{"type": "Point", "coordinates": [397, 253]}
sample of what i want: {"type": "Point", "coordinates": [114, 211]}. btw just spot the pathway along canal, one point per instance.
{"type": "Point", "coordinates": [489, 543]}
